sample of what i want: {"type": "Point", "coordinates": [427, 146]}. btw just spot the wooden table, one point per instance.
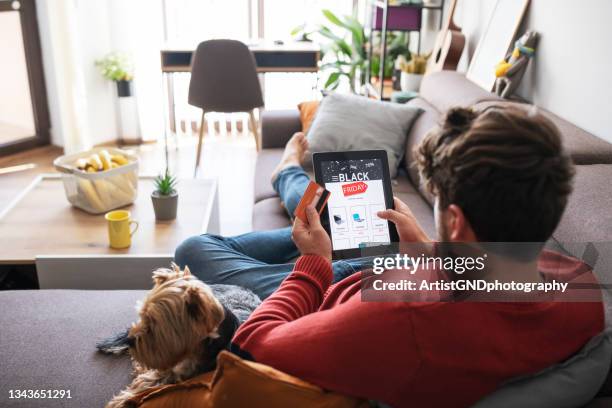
{"type": "Point", "coordinates": [41, 223]}
{"type": "Point", "coordinates": [269, 57]}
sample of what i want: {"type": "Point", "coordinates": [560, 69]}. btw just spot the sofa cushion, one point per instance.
{"type": "Point", "coordinates": [583, 147]}
{"type": "Point", "coordinates": [267, 159]}
{"type": "Point", "coordinates": [47, 341]}
{"type": "Point", "coordinates": [350, 122]}
{"type": "Point", "coordinates": [447, 89]}
{"type": "Point", "coordinates": [241, 383]}
{"type": "Point", "coordinates": [570, 384]}
{"type": "Point", "coordinates": [269, 214]}
{"type": "Point", "coordinates": [428, 120]}
{"type": "Point", "coordinates": [588, 216]}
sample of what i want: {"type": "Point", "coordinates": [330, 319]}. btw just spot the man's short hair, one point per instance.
{"type": "Point", "coordinates": [504, 167]}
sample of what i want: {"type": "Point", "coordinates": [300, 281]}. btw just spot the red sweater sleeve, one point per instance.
{"type": "Point", "coordinates": [300, 293]}
{"type": "Point", "coordinates": [344, 349]}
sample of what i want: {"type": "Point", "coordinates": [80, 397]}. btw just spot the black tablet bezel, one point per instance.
{"type": "Point", "coordinates": [318, 158]}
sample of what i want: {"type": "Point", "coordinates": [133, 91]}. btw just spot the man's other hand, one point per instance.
{"type": "Point", "coordinates": [408, 227]}
{"type": "Point", "coordinates": [311, 238]}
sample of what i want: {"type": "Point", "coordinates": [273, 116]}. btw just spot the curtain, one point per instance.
{"type": "Point", "coordinates": [63, 75]}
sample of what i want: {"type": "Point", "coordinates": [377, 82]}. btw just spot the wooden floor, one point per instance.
{"type": "Point", "coordinates": [228, 157]}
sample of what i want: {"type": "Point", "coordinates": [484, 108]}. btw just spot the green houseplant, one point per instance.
{"type": "Point", "coordinates": [346, 58]}
{"type": "Point", "coordinates": [165, 197]}
{"type": "Point", "coordinates": [115, 67]}
{"type": "Point", "coordinates": [412, 72]}
{"type": "Point", "coordinates": [345, 55]}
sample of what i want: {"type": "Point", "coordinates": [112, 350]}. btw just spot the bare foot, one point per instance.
{"type": "Point", "coordinates": [294, 153]}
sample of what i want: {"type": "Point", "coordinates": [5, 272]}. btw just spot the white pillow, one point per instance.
{"type": "Point", "coordinates": [349, 122]}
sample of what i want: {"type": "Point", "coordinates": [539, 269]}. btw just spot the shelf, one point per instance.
{"type": "Point", "coordinates": [381, 4]}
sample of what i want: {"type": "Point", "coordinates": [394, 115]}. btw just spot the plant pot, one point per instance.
{"type": "Point", "coordinates": [124, 88]}
{"type": "Point", "coordinates": [164, 206]}
{"type": "Point", "coordinates": [410, 82]}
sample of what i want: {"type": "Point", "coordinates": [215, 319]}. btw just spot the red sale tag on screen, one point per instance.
{"type": "Point", "coordinates": [354, 188]}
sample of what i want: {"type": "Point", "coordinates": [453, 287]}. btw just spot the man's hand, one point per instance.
{"type": "Point", "coordinates": [311, 238]}
{"type": "Point", "coordinates": [407, 225]}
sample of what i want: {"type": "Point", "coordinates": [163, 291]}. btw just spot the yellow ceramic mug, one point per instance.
{"type": "Point", "coordinates": [119, 233]}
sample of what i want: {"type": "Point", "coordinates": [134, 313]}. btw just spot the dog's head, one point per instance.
{"type": "Point", "coordinates": [177, 314]}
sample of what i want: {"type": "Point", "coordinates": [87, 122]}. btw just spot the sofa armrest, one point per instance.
{"type": "Point", "coordinates": [277, 126]}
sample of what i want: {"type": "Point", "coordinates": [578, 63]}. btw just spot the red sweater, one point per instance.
{"type": "Point", "coordinates": [408, 354]}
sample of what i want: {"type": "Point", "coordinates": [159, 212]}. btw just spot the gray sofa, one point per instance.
{"type": "Point", "coordinates": [588, 217]}
{"type": "Point", "coordinates": [47, 337]}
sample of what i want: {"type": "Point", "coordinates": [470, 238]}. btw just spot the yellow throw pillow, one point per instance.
{"type": "Point", "coordinates": [308, 111]}
{"type": "Point", "coordinates": [241, 383]}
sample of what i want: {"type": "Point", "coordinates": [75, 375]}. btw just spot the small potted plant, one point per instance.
{"type": "Point", "coordinates": [412, 72]}
{"type": "Point", "coordinates": [165, 197]}
{"type": "Point", "coordinates": [117, 67]}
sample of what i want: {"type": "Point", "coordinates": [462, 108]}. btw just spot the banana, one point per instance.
{"type": "Point", "coordinates": [120, 197]}
{"type": "Point", "coordinates": [95, 162]}
{"type": "Point", "coordinates": [121, 182]}
{"type": "Point", "coordinates": [81, 164]}
{"type": "Point", "coordinates": [105, 158]}
{"type": "Point", "coordinates": [119, 159]}
{"type": "Point", "coordinates": [91, 196]}
{"type": "Point", "coordinates": [104, 192]}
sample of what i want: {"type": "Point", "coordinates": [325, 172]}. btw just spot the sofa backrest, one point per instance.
{"type": "Point", "coordinates": [443, 90]}
{"type": "Point", "coordinates": [582, 146]}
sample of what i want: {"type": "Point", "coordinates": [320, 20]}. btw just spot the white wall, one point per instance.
{"type": "Point", "coordinates": [570, 74]}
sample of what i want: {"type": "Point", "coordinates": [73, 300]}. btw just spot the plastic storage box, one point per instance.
{"type": "Point", "coordinates": [101, 191]}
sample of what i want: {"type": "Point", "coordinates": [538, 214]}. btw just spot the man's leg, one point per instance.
{"type": "Point", "coordinates": [251, 260]}
{"type": "Point", "coordinates": [288, 178]}
{"type": "Point", "coordinates": [290, 184]}
{"type": "Point", "coordinates": [219, 260]}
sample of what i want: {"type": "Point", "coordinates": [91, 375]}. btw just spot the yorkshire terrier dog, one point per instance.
{"type": "Point", "coordinates": [184, 324]}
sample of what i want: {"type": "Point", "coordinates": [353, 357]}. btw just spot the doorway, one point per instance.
{"type": "Point", "coordinates": [24, 113]}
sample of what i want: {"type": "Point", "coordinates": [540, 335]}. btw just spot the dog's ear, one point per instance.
{"type": "Point", "coordinates": [204, 308]}
{"type": "Point", "coordinates": [185, 273]}
{"type": "Point", "coordinates": [162, 275]}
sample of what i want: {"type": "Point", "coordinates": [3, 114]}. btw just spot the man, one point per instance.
{"type": "Point", "coordinates": [497, 176]}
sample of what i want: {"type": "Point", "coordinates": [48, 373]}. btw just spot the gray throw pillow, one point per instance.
{"type": "Point", "coordinates": [572, 383]}
{"type": "Point", "coordinates": [350, 122]}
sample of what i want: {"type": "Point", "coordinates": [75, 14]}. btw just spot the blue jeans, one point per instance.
{"type": "Point", "coordinates": [259, 260]}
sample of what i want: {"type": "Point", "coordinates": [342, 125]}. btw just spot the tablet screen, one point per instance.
{"type": "Point", "coordinates": [357, 194]}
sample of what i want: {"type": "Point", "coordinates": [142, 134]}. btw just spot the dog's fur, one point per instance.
{"type": "Point", "coordinates": [183, 325]}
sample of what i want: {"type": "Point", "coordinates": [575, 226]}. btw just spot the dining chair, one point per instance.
{"type": "Point", "coordinates": [224, 79]}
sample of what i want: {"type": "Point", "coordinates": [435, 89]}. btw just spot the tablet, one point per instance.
{"type": "Point", "coordinates": [360, 186]}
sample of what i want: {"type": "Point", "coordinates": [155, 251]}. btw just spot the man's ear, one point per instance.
{"type": "Point", "coordinates": [458, 227]}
